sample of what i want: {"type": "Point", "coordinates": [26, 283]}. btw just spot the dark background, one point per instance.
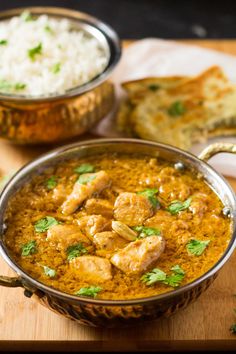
{"type": "Point", "coordinates": [157, 18]}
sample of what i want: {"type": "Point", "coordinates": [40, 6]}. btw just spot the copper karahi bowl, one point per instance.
{"type": "Point", "coordinates": [57, 117]}
{"type": "Point", "coordinates": [111, 313]}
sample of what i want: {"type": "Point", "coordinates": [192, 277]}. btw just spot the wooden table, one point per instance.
{"type": "Point", "coordinates": [24, 324]}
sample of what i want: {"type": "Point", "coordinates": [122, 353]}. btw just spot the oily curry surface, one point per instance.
{"type": "Point", "coordinates": [116, 227]}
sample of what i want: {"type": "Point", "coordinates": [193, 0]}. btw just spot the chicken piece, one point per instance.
{"type": "Point", "coordinates": [99, 207]}
{"type": "Point", "coordinates": [175, 190]}
{"type": "Point", "coordinates": [63, 236]}
{"type": "Point", "coordinates": [96, 182]}
{"type": "Point", "coordinates": [132, 209]}
{"type": "Point", "coordinates": [59, 194]}
{"type": "Point", "coordinates": [138, 255]}
{"type": "Point", "coordinates": [109, 241]}
{"type": "Point", "coordinates": [92, 224]}
{"type": "Point", "coordinates": [161, 220]}
{"type": "Point", "coordinates": [92, 268]}
{"type": "Point", "coordinates": [198, 204]}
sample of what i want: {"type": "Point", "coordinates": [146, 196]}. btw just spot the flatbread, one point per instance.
{"type": "Point", "coordinates": [181, 110]}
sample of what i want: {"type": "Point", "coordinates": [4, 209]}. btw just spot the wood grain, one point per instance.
{"type": "Point", "coordinates": [24, 324]}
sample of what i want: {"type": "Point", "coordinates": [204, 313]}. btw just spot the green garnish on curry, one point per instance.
{"type": "Point", "coordinates": [91, 291]}
{"type": "Point", "coordinates": [75, 251]}
{"type": "Point", "coordinates": [44, 224]}
{"type": "Point", "coordinates": [197, 247]}
{"type": "Point", "coordinates": [157, 275]}
{"type": "Point", "coordinates": [51, 182]}
{"type": "Point", "coordinates": [29, 248]}
{"type": "Point", "coordinates": [51, 273]}
{"type": "Point", "coordinates": [84, 168]}
{"type": "Point", "coordinates": [84, 179]}
{"type": "Point", "coordinates": [176, 206]}
{"type": "Point", "coordinates": [151, 195]}
{"type": "Point", "coordinates": [145, 231]}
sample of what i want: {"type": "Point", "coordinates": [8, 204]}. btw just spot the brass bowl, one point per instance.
{"type": "Point", "coordinates": [111, 313]}
{"type": "Point", "coordinates": [56, 117]}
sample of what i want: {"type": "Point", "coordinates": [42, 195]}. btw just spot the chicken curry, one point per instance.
{"type": "Point", "coordinates": [116, 226]}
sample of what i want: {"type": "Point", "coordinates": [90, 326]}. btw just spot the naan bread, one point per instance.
{"type": "Point", "coordinates": [180, 110]}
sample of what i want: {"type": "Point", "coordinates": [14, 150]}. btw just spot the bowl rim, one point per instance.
{"type": "Point", "coordinates": [110, 36]}
{"type": "Point", "coordinates": [26, 169]}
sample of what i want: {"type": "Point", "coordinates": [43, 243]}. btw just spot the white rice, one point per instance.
{"type": "Point", "coordinates": [67, 58]}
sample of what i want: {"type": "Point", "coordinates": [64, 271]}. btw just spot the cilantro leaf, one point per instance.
{"type": "Point", "coordinates": [3, 42]}
{"type": "Point", "coordinates": [75, 251]}
{"type": "Point", "coordinates": [84, 168]}
{"type": "Point", "coordinates": [153, 87]}
{"type": "Point", "coordinates": [146, 231]}
{"type": "Point", "coordinates": [29, 248]}
{"type": "Point", "coordinates": [176, 109]}
{"type": "Point", "coordinates": [20, 86]}
{"type": "Point", "coordinates": [156, 275]}
{"type": "Point", "coordinates": [197, 247]}
{"type": "Point", "coordinates": [173, 280]}
{"type": "Point", "coordinates": [44, 224]}
{"type": "Point", "coordinates": [26, 16]}
{"type": "Point", "coordinates": [177, 269]}
{"type": "Point", "coordinates": [56, 68]}
{"type": "Point", "coordinates": [84, 179]}
{"type": "Point", "coordinates": [176, 206]}
{"type": "Point", "coordinates": [49, 272]}
{"type": "Point", "coordinates": [151, 195]}
{"type": "Point", "coordinates": [35, 51]}
{"type": "Point", "coordinates": [5, 85]}
{"type": "Point", "coordinates": [90, 291]}
{"type": "Point", "coordinates": [51, 182]}
{"type": "Point", "coordinates": [48, 29]}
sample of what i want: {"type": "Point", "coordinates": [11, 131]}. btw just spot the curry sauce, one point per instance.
{"type": "Point", "coordinates": [116, 226]}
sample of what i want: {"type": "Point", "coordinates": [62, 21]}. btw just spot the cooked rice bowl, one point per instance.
{"type": "Point", "coordinates": [43, 55]}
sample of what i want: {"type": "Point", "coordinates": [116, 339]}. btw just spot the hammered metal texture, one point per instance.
{"type": "Point", "coordinates": [55, 121]}
{"type": "Point", "coordinates": [122, 315]}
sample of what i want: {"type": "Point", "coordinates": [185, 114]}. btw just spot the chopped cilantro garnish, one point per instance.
{"type": "Point", "coordinates": [176, 109]}
{"type": "Point", "coordinates": [84, 179]}
{"type": "Point", "coordinates": [75, 251]}
{"type": "Point", "coordinates": [44, 224]}
{"type": "Point", "coordinates": [51, 182]}
{"type": "Point", "coordinates": [49, 272]}
{"type": "Point", "coordinates": [151, 195]}
{"type": "Point", "coordinates": [29, 248]}
{"type": "Point", "coordinates": [85, 168]}
{"type": "Point", "coordinates": [176, 206]}
{"type": "Point", "coordinates": [90, 291]}
{"type": "Point", "coordinates": [35, 51]}
{"type": "Point", "coordinates": [146, 231]}
{"type": "Point", "coordinates": [197, 247]}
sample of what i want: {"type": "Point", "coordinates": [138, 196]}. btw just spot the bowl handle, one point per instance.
{"type": "Point", "coordinates": [17, 282]}
{"type": "Point", "coordinates": [216, 148]}
{"type": "Point", "coordinates": [11, 282]}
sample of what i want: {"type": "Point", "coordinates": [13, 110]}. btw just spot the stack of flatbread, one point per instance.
{"type": "Point", "coordinates": [179, 110]}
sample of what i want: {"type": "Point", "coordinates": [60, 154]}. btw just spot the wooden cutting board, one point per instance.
{"type": "Point", "coordinates": [24, 324]}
